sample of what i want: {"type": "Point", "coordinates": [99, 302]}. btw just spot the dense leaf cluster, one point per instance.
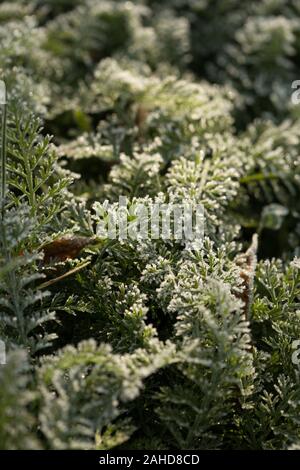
{"type": "Point", "coordinates": [145, 344]}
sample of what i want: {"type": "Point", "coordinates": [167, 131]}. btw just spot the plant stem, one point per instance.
{"type": "Point", "coordinates": [3, 152]}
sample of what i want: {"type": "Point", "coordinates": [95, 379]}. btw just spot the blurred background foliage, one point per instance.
{"type": "Point", "coordinates": [179, 100]}
{"type": "Point", "coordinates": [99, 74]}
